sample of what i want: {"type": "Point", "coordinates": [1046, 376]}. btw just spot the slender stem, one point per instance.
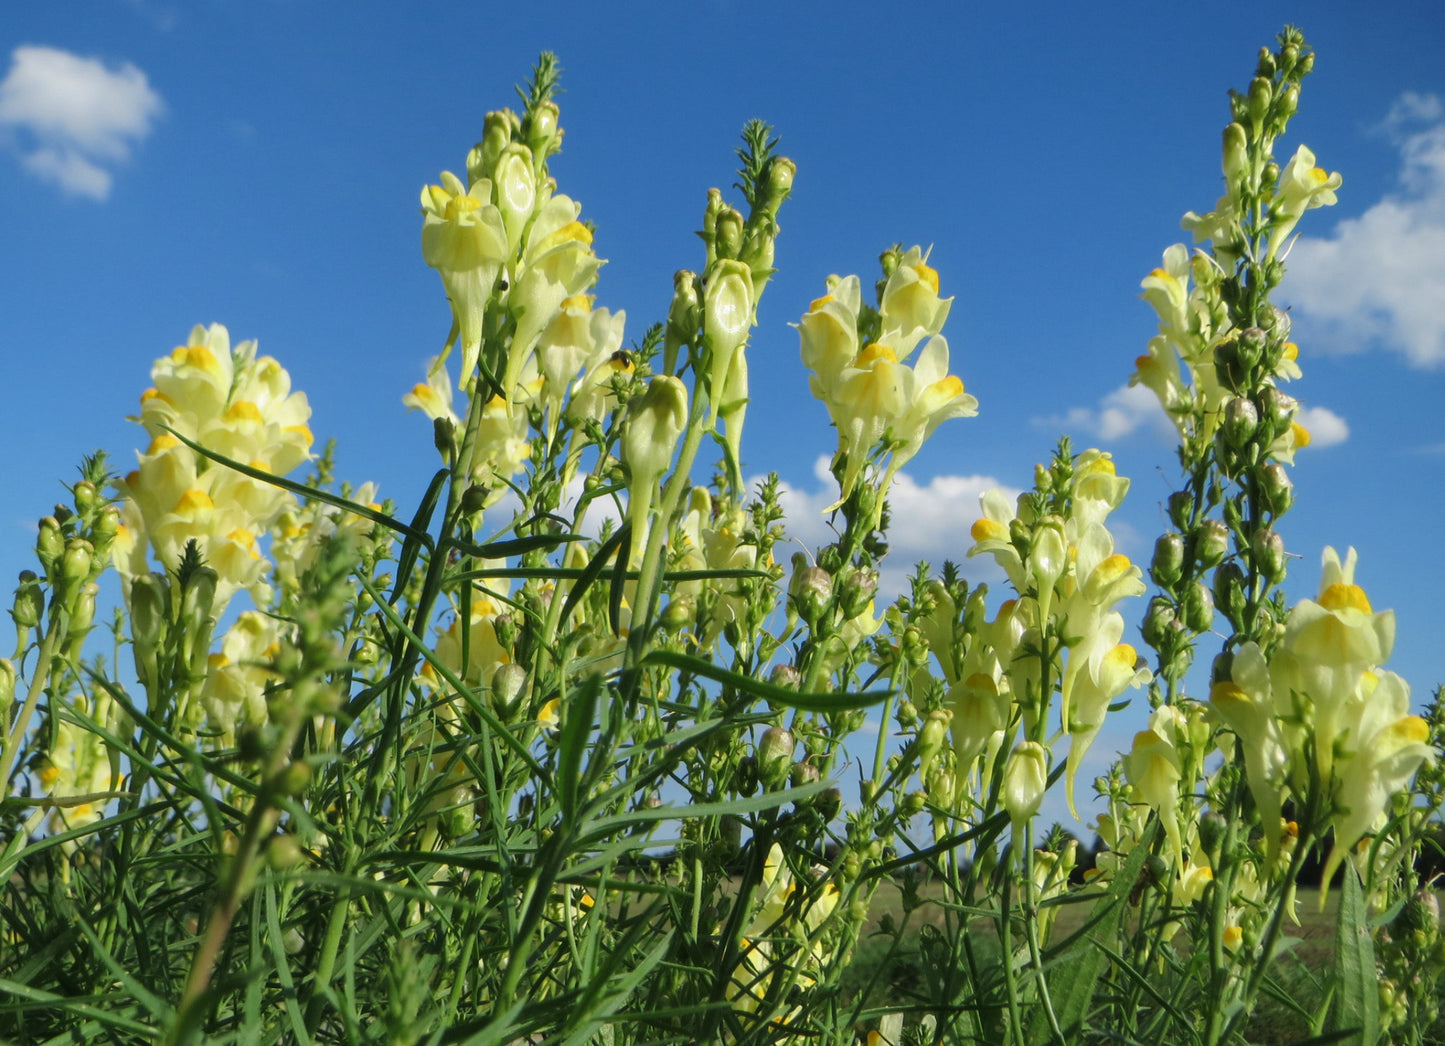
{"type": "Point", "coordinates": [11, 747]}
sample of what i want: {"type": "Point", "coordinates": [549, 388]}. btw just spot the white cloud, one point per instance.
{"type": "Point", "coordinates": [1120, 413]}
{"type": "Point", "coordinates": [76, 116]}
{"type": "Point", "coordinates": [930, 522]}
{"type": "Point", "coordinates": [1326, 428]}
{"type": "Point", "coordinates": [1379, 280]}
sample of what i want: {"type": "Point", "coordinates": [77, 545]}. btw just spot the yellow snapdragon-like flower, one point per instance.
{"type": "Point", "coordinates": [464, 239]}
{"type": "Point", "coordinates": [911, 309]}
{"type": "Point", "coordinates": [1302, 187]}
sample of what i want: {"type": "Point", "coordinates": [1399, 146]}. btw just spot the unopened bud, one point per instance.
{"type": "Point", "coordinates": [775, 757]}
{"type": "Point", "coordinates": [1159, 622]}
{"type": "Point", "coordinates": [29, 605]}
{"type": "Point", "coordinates": [930, 740]}
{"type": "Point", "coordinates": [1230, 367]}
{"type": "Point", "coordinates": [1198, 607]}
{"type": "Point", "coordinates": [1265, 68]}
{"type": "Point", "coordinates": [679, 613]}
{"type": "Point", "coordinates": [857, 593]}
{"type": "Point", "coordinates": [1241, 421]}
{"type": "Point", "coordinates": [1025, 779]}
{"type": "Point", "coordinates": [107, 525]}
{"type": "Point", "coordinates": [913, 803]}
{"type": "Point", "coordinates": [1168, 561]}
{"type": "Point", "coordinates": [75, 564]}
{"type": "Point", "coordinates": [508, 682]}
{"type": "Point", "coordinates": [542, 129]}
{"type": "Point", "coordinates": [1287, 102]}
{"type": "Point", "coordinates": [803, 773]}
{"type": "Point", "coordinates": [1261, 93]}
{"type": "Point", "coordinates": [786, 676]}
{"type": "Point", "coordinates": [728, 233]}
{"type": "Point", "coordinates": [1236, 155]}
{"type": "Point", "coordinates": [1181, 509]}
{"type": "Point", "coordinates": [812, 592]}
{"type": "Point", "coordinates": [683, 315]}
{"type": "Point", "coordinates": [496, 136]}
{"type": "Point", "coordinates": [50, 544]}
{"type": "Point", "coordinates": [780, 180]}
{"type": "Point", "coordinates": [1211, 543]}
{"type": "Point", "coordinates": [1229, 590]}
{"type": "Point", "coordinates": [1269, 555]}
{"type": "Point", "coordinates": [1277, 410]}
{"type": "Point", "coordinates": [1276, 487]}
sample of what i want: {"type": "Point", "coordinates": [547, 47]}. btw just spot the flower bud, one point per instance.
{"type": "Point", "coordinates": [1229, 366]}
{"type": "Point", "coordinates": [679, 613]}
{"type": "Point", "coordinates": [1287, 103]}
{"type": "Point", "coordinates": [1241, 421]}
{"type": "Point", "coordinates": [508, 682]}
{"type": "Point", "coordinates": [728, 233]}
{"type": "Point", "coordinates": [786, 676]}
{"type": "Point", "coordinates": [1211, 543]}
{"type": "Point", "coordinates": [515, 185]}
{"type": "Point", "coordinates": [106, 527]}
{"type": "Point", "coordinates": [655, 420]}
{"type": "Point", "coordinates": [1181, 509]}
{"type": "Point", "coordinates": [1236, 157]}
{"type": "Point", "coordinates": [1198, 607]}
{"type": "Point", "coordinates": [913, 804]}
{"type": "Point", "coordinates": [1168, 561]}
{"type": "Point", "coordinates": [29, 606]}
{"type": "Point", "coordinates": [543, 135]}
{"type": "Point", "coordinates": [780, 181]}
{"type": "Point", "coordinates": [1025, 779]}
{"type": "Point", "coordinates": [1266, 67]}
{"type": "Point", "coordinates": [857, 593]}
{"type": "Point", "coordinates": [812, 592]}
{"type": "Point", "coordinates": [683, 315]}
{"type": "Point", "coordinates": [930, 740]}
{"type": "Point", "coordinates": [1159, 622]}
{"type": "Point", "coordinates": [496, 136]}
{"type": "Point", "coordinates": [727, 318]}
{"type": "Point", "coordinates": [1261, 93]}
{"type": "Point", "coordinates": [828, 803]}
{"type": "Point", "coordinates": [803, 773]}
{"type": "Point", "coordinates": [1276, 487]}
{"type": "Point", "coordinates": [1277, 409]}
{"type": "Point", "coordinates": [775, 757]}
{"type": "Point", "coordinates": [75, 564]}
{"type": "Point", "coordinates": [1229, 590]}
{"type": "Point", "coordinates": [50, 544]}
{"type": "Point", "coordinates": [1269, 555]}
{"type": "Point", "coordinates": [1306, 64]}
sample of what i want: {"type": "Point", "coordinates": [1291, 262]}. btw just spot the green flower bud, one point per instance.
{"type": "Point", "coordinates": [684, 315]}
{"type": "Point", "coordinates": [913, 804]}
{"type": "Point", "coordinates": [1229, 366]}
{"type": "Point", "coordinates": [1211, 543]}
{"type": "Point", "coordinates": [728, 234]}
{"type": "Point", "coordinates": [543, 134]}
{"type": "Point", "coordinates": [1236, 157]}
{"type": "Point", "coordinates": [1241, 421]}
{"type": "Point", "coordinates": [940, 784]}
{"type": "Point", "coordinates": [1276, 487]}
{"type": "Point", "coordinates": [780, 181]}
{"type": "Point", "coordinates": [29, 605]}
{"type": "Point", "coordinates": [85, 499]}
{"type": "Point", "coordinates": [786, 676]}
{"type": "Point", "coordinates": [1159, 622]}
{"type": "Point", "coordinates": [1269, 554]}
{"type": "Point", "coordinates": [514, 183]}
{"type": "Point", "coordinates": [747, 779]}
{"type": "Point", "coordinates": [107, 525]}
{"type": "Point", "coordinates": [812, 591]}
{"type": "Point", "coordinates": [857, 593]}
{"type": "Point", "coordinates": [679, 613]}
{"type": "Point", "coordinates": [1168, 563]}
{"type": "Point", "coordinates": [1261, 93]}
{"type": "Point", "coordinates": [1266, 67]}
{"type": "Point", "coordinates": [930, 740]}
{"type": "Point", "coordinates": [775, 757]}
{"type": "Point", "coordinates": [508, 683]}
{"type": "Point", "coordinates": [1306, 64]}
{"type": "Point", "coordinates": [1286, 103]}
{"type": "Point", "coordinates": [1277, 410]}
{"type": "Point", "coordinates": [1181, 509]}
{"type": "Point", "coordinates": [828, 803]}
{"type": "Point", "coordinates": [727, 319]}
{"type": "Point", "coordinates": [803, 773]}
{"type": "Point", "coordinates": [1198, 607]}
{"type": "Point", "coordinates": [1229, 590]}
{"type": "Point", "coordinates": [1025, 779]}
{"type": "Point", "coordinates": [496, 136]}
{"type": "Point", "coordinates": [50, 544]}
{"type": "Point", "coordinates": [76, 563]}
{"type": "Point", "coordinates": [1271, 173]}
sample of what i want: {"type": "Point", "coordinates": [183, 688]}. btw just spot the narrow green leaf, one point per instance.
{"type": "Point", "coordinates": [594, 569]}
{"type": "Point", "coordinates": [1357, 998]}
{"type": "Point", "coordinates": [841, 702]}
{"type": "Point", "coordinates": [416, 534]}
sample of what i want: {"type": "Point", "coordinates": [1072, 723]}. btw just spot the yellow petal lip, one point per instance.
{"type": "Point", "coordinates": [987, 530]}
{"type": "Point", "coordinates": [873, 353]}
{"type": "Point", "coordinates": [244, 410]}
{"type": "Point", "coordinates": [194, 501]}
{"type": "Point", "coordinates": [927, 275]}
{"type": "Point", "coordinates": [818, 303]}
{"type": "Point", "coordinates": [1341, 596]}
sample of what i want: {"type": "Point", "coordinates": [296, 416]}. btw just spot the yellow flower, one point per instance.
{"type": "Point", "coordinates": [911, 309]}
{"type": "Point", "coordinates": [464, 239]}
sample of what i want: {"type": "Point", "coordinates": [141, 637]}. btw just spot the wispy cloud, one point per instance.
{"type": "Point", "coordinates": [928, 522]}
{"type": "Point", "coordinates": [1120, 413]}
{"type": "Point", "coordinates": [1378, 281]}
{"type": "Point", "coordinates": [71, 119]}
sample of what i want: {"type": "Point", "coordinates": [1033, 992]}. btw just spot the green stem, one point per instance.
{"type": "Point", "coordinates": [12, 743]}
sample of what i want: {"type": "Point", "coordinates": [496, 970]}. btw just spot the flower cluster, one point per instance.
{"type": "Point", "coordinates": [1062, 632]}
{"type": "Point", "coordinates": [1319, 721]}
{"type": "Point", "coordinates": [876, 401]}
{"type": "Point", "coordinates": [238, 406]}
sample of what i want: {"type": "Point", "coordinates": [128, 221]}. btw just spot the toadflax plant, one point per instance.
{"type": "Point", "coordinates": [560, 753]}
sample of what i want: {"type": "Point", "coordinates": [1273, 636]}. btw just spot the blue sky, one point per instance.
{"type": "Point", "coordinates": [257, 164]}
